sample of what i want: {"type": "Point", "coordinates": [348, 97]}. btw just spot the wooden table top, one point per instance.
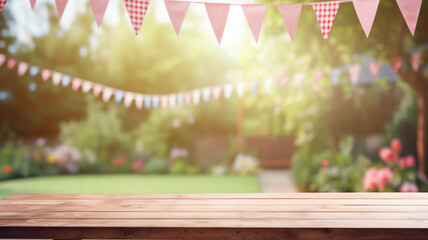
{"type": "Point", "coordinates": [270, 210]}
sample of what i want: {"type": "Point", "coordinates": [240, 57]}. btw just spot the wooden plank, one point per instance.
{"type": "Point", "coordinates": [213, 233]}
{"type": "Point", "coordinates": [269, 202]}
{"type": "Point", "coordinates": [204, 208]}
{"type": "Point", "coordinates": [219, 195]}
{"type": "Point", "coordinates": [220, 215]}
{"type": "Point", "coordinates": [214, 223]}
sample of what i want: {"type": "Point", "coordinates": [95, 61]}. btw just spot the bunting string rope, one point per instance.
{"type": "Point", "coordinates": [358, 74]}
{"type": "Point", "coordinates": [254, 13]}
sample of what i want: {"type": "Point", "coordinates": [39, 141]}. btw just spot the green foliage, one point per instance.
{"type": "Point", "coordinates": [182, 166]}
{"type": "Point", "coordinates": [156, 165]}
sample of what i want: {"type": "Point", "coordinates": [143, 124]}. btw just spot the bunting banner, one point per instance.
{"type": "Point", "coordinates": [254, 13]}
{"type": "Point", "coordinates": [99, 7]}
{"type": "Point", "coordinates": [358, 74]}
{"type": "Point", "coordinates": [137, 11]}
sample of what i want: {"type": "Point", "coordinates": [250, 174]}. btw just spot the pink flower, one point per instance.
{"type": "Point", "coordinates": [396, 145]}
{"type": "Point", "coordinates": [384, 177]}
{"type": "Point", "coordinates": [137, 165]}
{"type": "Point", "coordinates": [409, 187]}
{"type": "Point", "coordinates": [325, 163]}
{"type": "Point", "coordinates": [408, 161]}
{"type": "Point", "coordinates": [119, 161]}
{"type": "Point", "coordinates": [370, 179]}
{"type": "Point", "coordinates": [386, 154]}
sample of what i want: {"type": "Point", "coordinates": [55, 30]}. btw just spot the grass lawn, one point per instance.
{"type": "Point", "coordinates": [131, 184]}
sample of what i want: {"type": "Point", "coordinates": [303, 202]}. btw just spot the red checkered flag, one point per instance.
{"type": "Point", "coordinates": [325, 12]}
{"type": "Point", "coordinates": [2, 3]}
{"type": "Point", "coordinates": [137, 11]}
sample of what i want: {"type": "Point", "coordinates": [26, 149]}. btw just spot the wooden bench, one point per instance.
{"type": "Point", "coordinates": [215, 216]}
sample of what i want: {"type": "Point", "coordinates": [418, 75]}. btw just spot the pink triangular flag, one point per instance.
{"type": "Point", "coordinates": [86, 86]}
{"type": "Point", "coordinates": [326, 13]}
{"type": "Point", "coordinates": [107, 93]}
{"type": "Point", "coordinates": [188, 98]}
{"type": "Point", "coordinates": [98, 9]}
{"type": "Point", "coordinates": [290, 14]}
{"type": "Point", "coordinates": [46, 74]}
{"type": "Point", "coordinates": [2, 3]}
{"type": "Point", "coordinates": [410, 10]}
{"type": "Point", "coordinates": [76, 83]}
{"type": "Point", "coordinates": [217, 14]}
{"type": "Point", "coordinates": [33, 2]}
{"type": "Point", "coordinates": [396, 64]}
{"type": "Point", "coordinates": [137, 11]}
{"type": "Point", "coordinates": [317, 75]}
{"type": "Point", "coordinates": [375, 68]}
{"type": "Point", "coordinates": [164, 101]}
{"type": "Point", "coordinates": [217, 92]}
{"type": "Point", "coordinates": [2, 59]}
{"type": "Point", "coordinates": [60, 7]}
{"type": "Point", "coordinates": [97, 89]}
{"type": "Point", "coordinates": [22, 68]}
{"type": "Point", "coordinates": [255, 14]}
{"type": "Point", "coordinates": [366, 12]}
{"type": "Point", "coordinates": [11, 63]}
{"type": "Point", "coordinates": [415, 61]}
{"type": "Point", "coordinates": [177, 12]}
{"type": "Point", "coordinates": [283, 81]}
{"type": "Point", "coordinates": [129, 97]}
{"type": "Point", "coordinates": [139, 100]}
{"type": "Point", "coordinates": [354, 72]}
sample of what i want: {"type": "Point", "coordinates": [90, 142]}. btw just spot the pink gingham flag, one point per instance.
{"type": "Point", "coordinates": [255, 14]}
{"type": "Point", "coordinates": [366, 12]}
{"type": "Point", "coordinates": [137, 11]}
{"type": "Point", "coordinates": [98, 9]}
{"type": "Point", "coordinates": [2, 3]}
{"type": "Point", "coordinates": [290, 14]}
{"type": "Point", "coordinates": [410, 10]}
{"type": "Point", "coordinates": [177, 12]}
{"type": "Point", "coordinates": [33, 2]}
{"type": "Point", "coordinates": [60, 7]}
{"type": "Point", "coordinates": [217, 14]}
{"type": "Point", "coordinates": [325, 12]}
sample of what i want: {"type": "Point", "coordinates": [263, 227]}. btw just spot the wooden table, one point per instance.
{"type": "Point", "coordinates": [216, 216]}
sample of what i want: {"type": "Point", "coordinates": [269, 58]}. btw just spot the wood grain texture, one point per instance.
{"type": "Point", "coordinates": [216, 216]}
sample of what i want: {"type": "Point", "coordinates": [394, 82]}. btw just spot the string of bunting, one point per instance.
{"type": "Point", "coordinates": [358, 74]}
{"type": "Point", "coordinates": [254, 13]}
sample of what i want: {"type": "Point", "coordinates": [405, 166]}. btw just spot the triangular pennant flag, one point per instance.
{"type": "Point", "coordinates": [172, 100]}
{"type": "Point", "coordinates": [180, 99]}
{"type": "Point", "coordinates": [98, 9]}
{"type": "Point", "coordinates": [97, 89]}
{"type": "Point", "coordinates": [217, 14]}
{"type": "Point", "coordinates": [22, 68]}
{"type": "Point", "coordinates": [177, 12]}
{"type": "Point", "coordinates": [195, 96]}
{"type": "Point", "coordinates": [46, 74]}
{"type": "Point", "coordinates": [60, 7]}
{"type": "Point", "coordinates": [129, 97]}
{"type": "Point", "coordinates": [228, 89]}
{"type": "Point", "coordinates": [76, 83]}
{"type": "Point", "coordinates": [188, 98]}
{"type": "Point", "coordinates": [317, 75]}
{"type": "Point", "coordinates": [217, 92]}
{"type": "Point", "coordinates": [354, 72]}
{"type": "Point", "coordinates": [11, 63]}
{"type": "Point", "coordinates": [33, 2]}
{"type": "Point", "coordinates": [298, 79]}
{"type": "Point", "coordinates": [206, 94]}
{"type": "Point", "coordinates": [65, 80]}
{"type": "Point", "coordinates": [164, 101]}
{"type": "Point", "coordinates": [33, 71]}
{"type": "Point", "coordinates": [325, 12]}
{"type": "Point", "coordinates": [240, 89]}
{"type": "Point", "coordinates": [107, 92]}
{"type": "Point", "coordinates": [56, 78]}
{"type": "Point", "coordinates": [255, 14]}
{"type": "Point", "coordinates": [335, 75]}
{"type": "Point", "coordinates": [375, 68]}
{"type": "Point", "coordinates": [2, 59]}
{"type": "Point", "coordinates": [410, 10]}
{"type": "Point", "coordinates": [254, 87]}
{"type": "Point", "coordinates": [86, 86]}
{"type": "Point", "coordinates": [118, 96]}
{"type": "Point", "coordinates": [290, 14]}
{"type": "Point", "coordinates": [268, 86]}
{"type": "Point", "coordinates": [396, 64]}
{"type": "Point", "coordinates": [139, 99]}
{"type": "Point", "coordinates": [155, 101]}
{"type": "Point", "coordinates": [366, 12]}
{"type": "Point", "coordinates": [283, 81]}
{"type": "Point", "coordinates": [137, 11]}
{"type": "Point", "coordinates": [2, 3]}
{"type": "Point", "coordinates": [415, 61]}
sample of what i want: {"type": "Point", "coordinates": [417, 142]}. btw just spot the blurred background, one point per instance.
{"type": "Point", "coordinates": [370, 135]}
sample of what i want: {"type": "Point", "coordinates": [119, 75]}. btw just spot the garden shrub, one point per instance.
{"type": "Point", "coordinates": [156, 165]}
